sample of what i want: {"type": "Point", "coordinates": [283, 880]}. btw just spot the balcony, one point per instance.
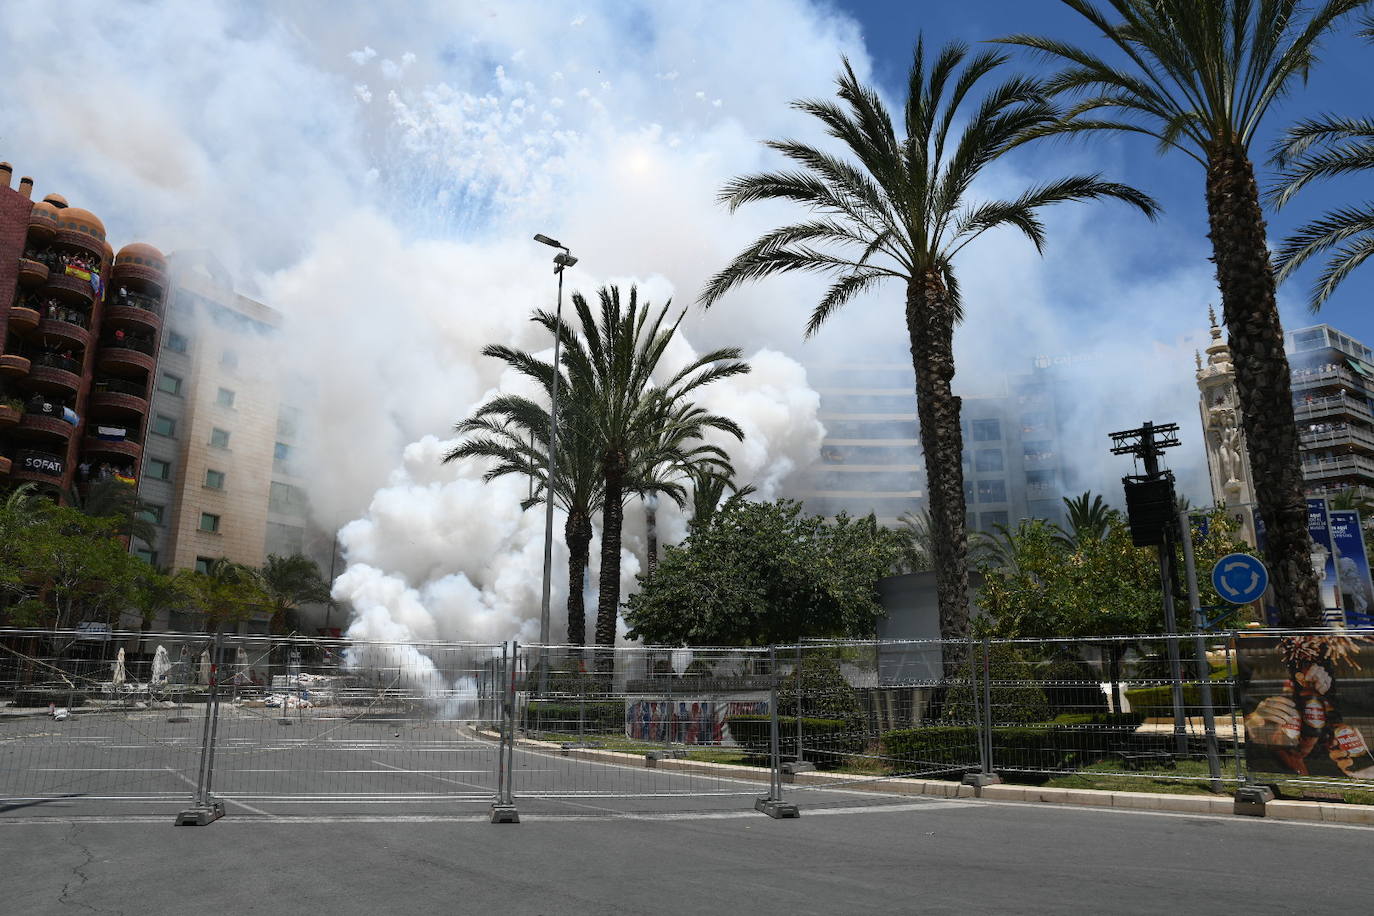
{"type": "Point", "coordinates": [143, 274]}
{"type": "Point", "coordinates": [121, 356]}
{"type": "Point", "coordinates": [33, 464]}
{"type": "Point", "coordinates": [45, 425]}
{"type": "Point", "coordinates": [55, 374]}
{"type": "Point", "coordinates": [42, 223]}
{"type": "Point", "coordinates": [1343, 465]}
{"type": "Point", "coordinates": [1311, 408]}
{"type": "Point", "coordinates": [1339, 435]}
{"type": "Point", "coordinates": [69, 329]}
{"type": "Point", "coordinates": [32, 273]}
{"type": "Point", "coordinates": [107, 448]}
{"type": "Point", "coordinates": [82, 241]}
{"type": "Point", "coordinates": [133, 312]}
{"type": "Point", "coordinates": [119, 397]}
{"type": "Point", "coordinates": [23, 319]}
{"type": "Point", "coordinates": [12, 365]}
{"type": "Point", "coordinates": [70, 288]}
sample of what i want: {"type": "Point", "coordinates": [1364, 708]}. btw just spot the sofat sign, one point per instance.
{"type": "Point", "coordinates": [43, 464]}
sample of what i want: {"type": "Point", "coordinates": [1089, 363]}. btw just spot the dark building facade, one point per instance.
{"type": "Point", "coordinates": [78, 343]}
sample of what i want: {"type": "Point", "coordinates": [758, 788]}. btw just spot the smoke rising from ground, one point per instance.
{"type": "Point", "coordinates": [377, 179]}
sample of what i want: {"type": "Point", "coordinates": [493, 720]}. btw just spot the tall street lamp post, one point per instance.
{"type": "Point", "coordinates": [562, 260]}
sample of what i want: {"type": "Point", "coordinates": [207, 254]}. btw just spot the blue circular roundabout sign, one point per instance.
{"type": "Point", "coordinates": [1240, 578]}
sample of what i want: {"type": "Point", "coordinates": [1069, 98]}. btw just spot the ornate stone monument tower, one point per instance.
{"type": "Point", "coordinates": [1228, 459]}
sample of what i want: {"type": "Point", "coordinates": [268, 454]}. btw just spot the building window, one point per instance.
{"type": "Point", "coordinates": [990, 520]}
{"type": "Point", "coordinates": [225, 398]}
{"type": "Point", "coordinates": [177, 343]}
{"type": "Point", "coordinates": [203, 565]}
{"type": "Point", "coordinates": [219, 438]}
{"type": "Point", "coordinates": [169, 383]}
{"type": "Point", "coordinates": [287, 422]}
{"type": "Point", "coordinates": [164, 426]}
{"type": "Point", "coordinates": [286, 499]}
{"type": "Point", "coordinates": [158, 469]}
{"type": "Point", "coordinates": [986, 430]}
{"type": "Point", "coordinates": [284, 540]}
{"type": "Point", "coordinates": [209, 522]}
{"type": "Point", "coordinates": [151, 512]}
{"type": "Point", "coordinates": [989, 459]}
{"type": "Point", "coordinates": [992, 491]}
{"type": "Point", "coordinates": [214, 480]}
{"type": "Point", "coordinates": [281, 452]}
{"type": "Point", "coordinates": [146, 554]}
{"type": "Point", "coordinates": [229, 359]}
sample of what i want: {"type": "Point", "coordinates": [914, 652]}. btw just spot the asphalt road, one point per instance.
{"type": "Point", "coordinates": [921, 856]}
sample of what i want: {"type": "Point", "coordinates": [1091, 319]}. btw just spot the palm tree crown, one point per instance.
{"type": "Point", "coordinates": [902, 208]}
{"type": "Point", "coordinates": [1199, 76]}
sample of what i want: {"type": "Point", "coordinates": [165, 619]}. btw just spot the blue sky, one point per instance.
{"type": "Point", "coordinates": [1338, 84]}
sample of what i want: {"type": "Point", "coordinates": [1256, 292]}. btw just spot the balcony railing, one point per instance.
{"type": "Point", "coordinates": [141, 344]}
{"type": "Point", "coordinates": [137, 301]}
{"type": "Point", "coordinates": [1311, 406]}
{"type": "Point", "coordinates": [1345, 464]}
{"type": "Point", "coordinates": [119, 386]}
{"type": "Point", "coordinates": [56, 361]}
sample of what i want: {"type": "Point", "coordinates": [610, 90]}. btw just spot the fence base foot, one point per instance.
{"type": "Point", "coordinates": [978, 780]}
{"type": "Point", "coordinates": [178, 718]}
{"type": "Point", "coordinates": [651, 758]}
{"type": "Point", "coordinates": [1250, 800]}
{"type": "Point", "coordinates": [776, 808]}
{"type": "Point", "coordinates": [504, 814]}
{"type": "Point", "coordinates": [201, 817]}
{"type": "Point", "coordinates": [793, 767]}
{"type": "Point", "coordinates": [285, 721]}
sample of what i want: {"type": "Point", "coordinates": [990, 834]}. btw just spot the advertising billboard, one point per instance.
{"type": "Point", "coordinates": [1352, 567]}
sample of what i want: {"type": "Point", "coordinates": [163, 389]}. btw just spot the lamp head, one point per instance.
{"type": "Point", "coordinates": [544, 239]}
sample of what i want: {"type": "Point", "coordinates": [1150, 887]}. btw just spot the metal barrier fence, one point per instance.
{"type": "Point", "coordinates": [299, 724]}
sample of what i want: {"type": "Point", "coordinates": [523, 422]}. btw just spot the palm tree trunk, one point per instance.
{"type": "Point", "coordinates": [651, 535]}
{"type": "Point", "coordinates": [612, 516]}
{"type": "Point", "coordinates": [577, 532]}
{"type": "Point", "coordinates": [1246, 278]}
{"type": "Point", "coordinates": [930, 323]}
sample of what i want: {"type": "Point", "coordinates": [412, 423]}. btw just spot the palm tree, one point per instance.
{"type": "Point", "coordinates": [290, 582]}
{"type": "Point", "coordinates": [903, 212]}
{"type": "Point", "coordinates": [158, 590]}
{"type": "Point", "coordinates": [107, 497]}
{"type": "Point", "coordinates": [1317, 148]}
{"type": "Point", "coordinates": [663, 469]}
{"type": "Point", "coordinates": [1006, 547]}
{"type": "Point", "coordinates": [610, 367]}
{"type": "Point", "coordinates": [917, 543]}
{"type": "Point", "coordinates": [709, 487]}
{"type": "Point", "coordinates": [1088, 519]}
{"type": "Point", "coordinates": [513, 432]}
{"type": "Point", "coordinates": [1199, 77]}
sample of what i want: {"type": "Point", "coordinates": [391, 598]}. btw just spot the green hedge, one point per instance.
{"type": "Point", "coordinates": [1066, 743]}
{"type": "Point", "coordinates": [825, 742]}
{"type": "Point", "coordinates": [1158, 702]}
{"type": "Point", "coordinates": [598, 717]}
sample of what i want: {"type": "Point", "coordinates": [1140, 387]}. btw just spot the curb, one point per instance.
{"type": "Point", "coordinates": [1309, 812]}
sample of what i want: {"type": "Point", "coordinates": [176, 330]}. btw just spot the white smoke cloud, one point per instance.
{"type": "Point", "coordinates": [377, 179]}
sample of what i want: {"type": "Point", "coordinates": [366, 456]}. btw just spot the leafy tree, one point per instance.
{"type": "Point", "coordinates": [611, 366]}
{"type": "Point", "coordinates": [903, 212]}
{"type": "Point", "coordinates": [157, 591]}
{"type": "Point", "coordinates": [760, 573]}
{"type": "Point", "coordinates": [290, 582]}
{"type": "Point", "coordinates": [1098, 587]}
{"type": "Point", "coordinates": [77, 568]}
{"type": "Point", "coordinates": [227, 593]}
{"type": "Point", "coordinates": [1199, 76]}
{"type": "Point", "coordinates": [1317, 148]}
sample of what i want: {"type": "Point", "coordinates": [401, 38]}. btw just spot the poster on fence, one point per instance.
{"type": "Point", "coordinates": [1308, 705]}
{"type": "Point", "coordinates": [1352, 567]}
{"type": "Point", "coordinates": [689, 720]}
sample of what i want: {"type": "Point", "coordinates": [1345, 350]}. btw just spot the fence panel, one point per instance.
{"type": "Point", "coordinates": [307, 721]}
{"type": "Point", "coordinates": [650, 723]}
{"type": "Point", "coordinates": [1105, 708]}
{"type": "Point", "coordinates": [78, 723]}
{"type": "Point", "coordinates": [1308, 702]}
